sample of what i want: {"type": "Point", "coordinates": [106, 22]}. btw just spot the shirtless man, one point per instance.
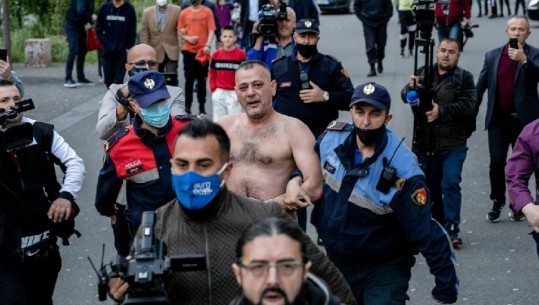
{"type": "Point", "coordinates": [268, 146]}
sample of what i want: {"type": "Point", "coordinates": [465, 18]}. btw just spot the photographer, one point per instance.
{"type": "Point", "coordinates": [266, 49]}
{"type": "Point", "coordinates": [45, 208]}
{"type": "Point", "coordinates": [441, 129]}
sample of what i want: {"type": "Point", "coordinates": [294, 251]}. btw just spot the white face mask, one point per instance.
{"type": "Point", "coordinates": [161, 2]}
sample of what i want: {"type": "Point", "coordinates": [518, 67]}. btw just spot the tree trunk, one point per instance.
{"type": "Point", "coordinates": [6, 25]}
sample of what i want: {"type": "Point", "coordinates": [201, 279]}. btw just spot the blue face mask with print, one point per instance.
{"type": "Point", "coordinates": [195, 191]}
{"type": "Point", "coordinates": [156, 114]}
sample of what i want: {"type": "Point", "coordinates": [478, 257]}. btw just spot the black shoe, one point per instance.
{"type": "Point", "coordinates": [380, 67]}
{"type": "Point", "coordinates": [453, 232]}
{"type": "Point", "coordinates": [514, 216]}
{"type": "Point", "coordinates": [85, 82]}
{"type": "Point", "coordinates": [479, 15]}
{"type": "Point", "coordinates": [492, 16]}
{"type": "Point", "coordinates": [495, 212]}
{"type": "Point", "coordinates": [371, 73]}
{"type": "Point", "coordinates": [69, 83]}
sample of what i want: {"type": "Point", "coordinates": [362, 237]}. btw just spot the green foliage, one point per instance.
{"type": "Point", "coordinates": [50, 16]}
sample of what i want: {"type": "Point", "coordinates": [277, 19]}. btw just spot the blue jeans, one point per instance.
{"type": "Point", "coordinates": [444, 175]}
{"type": "Point", "coordinates": [377, 283]}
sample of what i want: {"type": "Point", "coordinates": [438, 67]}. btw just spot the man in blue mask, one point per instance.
{"type": "Point", "coordinates": [208, 218]}
{"type": "Point", "coordinates": [140, 153]}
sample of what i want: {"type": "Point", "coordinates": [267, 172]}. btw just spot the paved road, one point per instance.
{"type": "Point", "coordinates": [497, 264]}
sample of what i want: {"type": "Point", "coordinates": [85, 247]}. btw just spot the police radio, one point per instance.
{"type": "Point", "coordinates": [389, 173]}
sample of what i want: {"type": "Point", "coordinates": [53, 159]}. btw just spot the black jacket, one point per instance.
{"type": "Point", "coordinates": [373, 13]}
{"type": "Point", "coordinates": [314, 292]}
{"type": "Point", "coordinates": [80, 11]}
{"type": "Point", "coordinates": [456, 98]}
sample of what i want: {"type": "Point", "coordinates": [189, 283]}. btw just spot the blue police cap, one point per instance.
{"type": "Point", "coordinates": [372, 94]}
{"type": "Point", "coordinates": [307, 26]}
{"type": "Point", "coordinates": [147, 88]}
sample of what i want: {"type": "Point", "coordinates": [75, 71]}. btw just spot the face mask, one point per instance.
{"type": "Point", "coordinates": [195, 191]}
{"type": "Point", "coordinates": [306, 50]}
{"type": "Point", "coordinates": [136, 69]}
{"type": "Point", "coordinates": [157, 114]}
{"type": "Point", "coordinates": [369, 136]}
{"type": "Point", "coordinates": [161, 2]}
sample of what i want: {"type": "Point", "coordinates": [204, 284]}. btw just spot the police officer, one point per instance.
{"type": "Point", "coordinates": [375, 214]}
{"type": "Point", "coordinates": [35, 206]}
{"type": "Point", "coordinates": [311, 86]}
{"type": "Point", "coordinates": [141, 152]}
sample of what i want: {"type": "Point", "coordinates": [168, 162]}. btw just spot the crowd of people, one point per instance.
{"type": "Point", "coordinates": [276, 101]}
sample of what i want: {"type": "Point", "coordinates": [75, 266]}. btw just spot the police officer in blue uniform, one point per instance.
{"type": "Point", "coordinates": [376, 214]}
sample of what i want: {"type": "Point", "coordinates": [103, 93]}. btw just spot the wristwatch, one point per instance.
{"type": "Point", "coordinates": [325, 96]}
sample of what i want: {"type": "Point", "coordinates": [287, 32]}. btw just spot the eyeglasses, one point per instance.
{"type": "Point", "coordinates": [150, 63]}
{"type": "Point", "coordinates": [282, 268]}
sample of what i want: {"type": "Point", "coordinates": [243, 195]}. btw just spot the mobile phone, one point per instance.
{"type": "Point", "coordinates": [3, 54]}
{"type": "Point", "coordinates": [513, 43]}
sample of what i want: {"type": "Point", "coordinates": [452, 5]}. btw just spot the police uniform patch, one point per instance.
{"type": "Point", "coordinates": [345, 73]}
{"type": "Point", "coordinates": [285, 85]}
{"type": "Point", "coordinates": [399, 183]}
{"type": "Point", "coordinates": [330, 168]}
{"type": "Point", "coordinates": [336, 125]}
{"type": "Point", "coordinates": [109, 143]}
{"type": "Point", "coordinates": [420, 197]}
{"type": "Point", "coordinates": [133, 167]}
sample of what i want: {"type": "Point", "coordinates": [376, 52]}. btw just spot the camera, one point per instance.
{"type": "Point", "coordinates": [18, 134]}
{"type": "Point", "coordinates": [146, 271]}
{"type": "Point", "coordinates": [268, 17]}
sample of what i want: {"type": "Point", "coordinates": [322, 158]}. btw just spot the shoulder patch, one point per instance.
{"type": "Point", "coordinates": [181, 117]}
{"type": "Point", "coordinates": [420, 197]}
{"type": "Point", "coordinates": [399, 183]}
{"type": "Point", "coordinates": [109, 143]}
{"type": "Point", "coordinates": [336, 125]}
{"type": "Point", "coordinates": [345, 73]}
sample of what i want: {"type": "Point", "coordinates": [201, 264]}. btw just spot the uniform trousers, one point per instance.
{"type": "Point", "coordinates": [383, 283]}
{"type": "Point", "coordinates": [375, 42]}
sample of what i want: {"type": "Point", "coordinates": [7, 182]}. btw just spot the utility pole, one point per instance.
{"type": "Point", "coordinates": [6, 25]}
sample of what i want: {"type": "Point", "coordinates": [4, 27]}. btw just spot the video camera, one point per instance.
{"type": "Point", "coordinates": [268, 17]}
{"type": "Point", "coordinates": [19, 134]}
{"type": "Point", "coordinates": [146, 271]}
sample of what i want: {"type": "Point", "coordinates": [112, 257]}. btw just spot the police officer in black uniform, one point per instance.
{"type": "Point", "coordinates": [311, 86]}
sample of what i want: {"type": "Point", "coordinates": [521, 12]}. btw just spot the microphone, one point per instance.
{"type": "Point", "coordinates": [412, 99]}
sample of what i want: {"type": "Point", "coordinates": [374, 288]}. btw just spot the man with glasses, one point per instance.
{"type": "Point", "coordinates": [205, 217]}
{"type": "Point", "coordinates": [272, 267]}
{"type": "Point", "coordinates": [113, 115]}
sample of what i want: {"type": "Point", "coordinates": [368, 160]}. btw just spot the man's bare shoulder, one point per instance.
{"type": "Point", "coordinates": [294, 125]}
{"type": "Point", "coordinates": [232, 120]}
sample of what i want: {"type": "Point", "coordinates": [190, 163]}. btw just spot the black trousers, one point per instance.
{"type": "Point", "coordinates": [192, 70]}
{"type": "Point", "coordinates": [29, 283]}
{"type": "Point", "coordinates": [375, 42]}
{"type": "Point", "coordinates": [76, 41]}
{"type": "Point", "coordinates": [502, 132]}
{"type": "Point", "coordinates": [114, 68]}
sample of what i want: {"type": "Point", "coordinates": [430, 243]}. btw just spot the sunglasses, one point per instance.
{"type": "Point", "coordinates": [150, 63]}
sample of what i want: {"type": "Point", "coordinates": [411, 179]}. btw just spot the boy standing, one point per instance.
{"type": "Point", "coordinates": [223, 65]}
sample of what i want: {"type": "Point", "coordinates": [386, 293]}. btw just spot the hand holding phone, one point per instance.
{"type": "Point", "coordinates": [513, 43]}
{"type": "Point", "coordinates": [3, 54]}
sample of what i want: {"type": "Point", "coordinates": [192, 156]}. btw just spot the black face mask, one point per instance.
{"type": "Point", "coordinates": [306, 50]}
{"type": "Point", "coordinates": [369, 136]}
